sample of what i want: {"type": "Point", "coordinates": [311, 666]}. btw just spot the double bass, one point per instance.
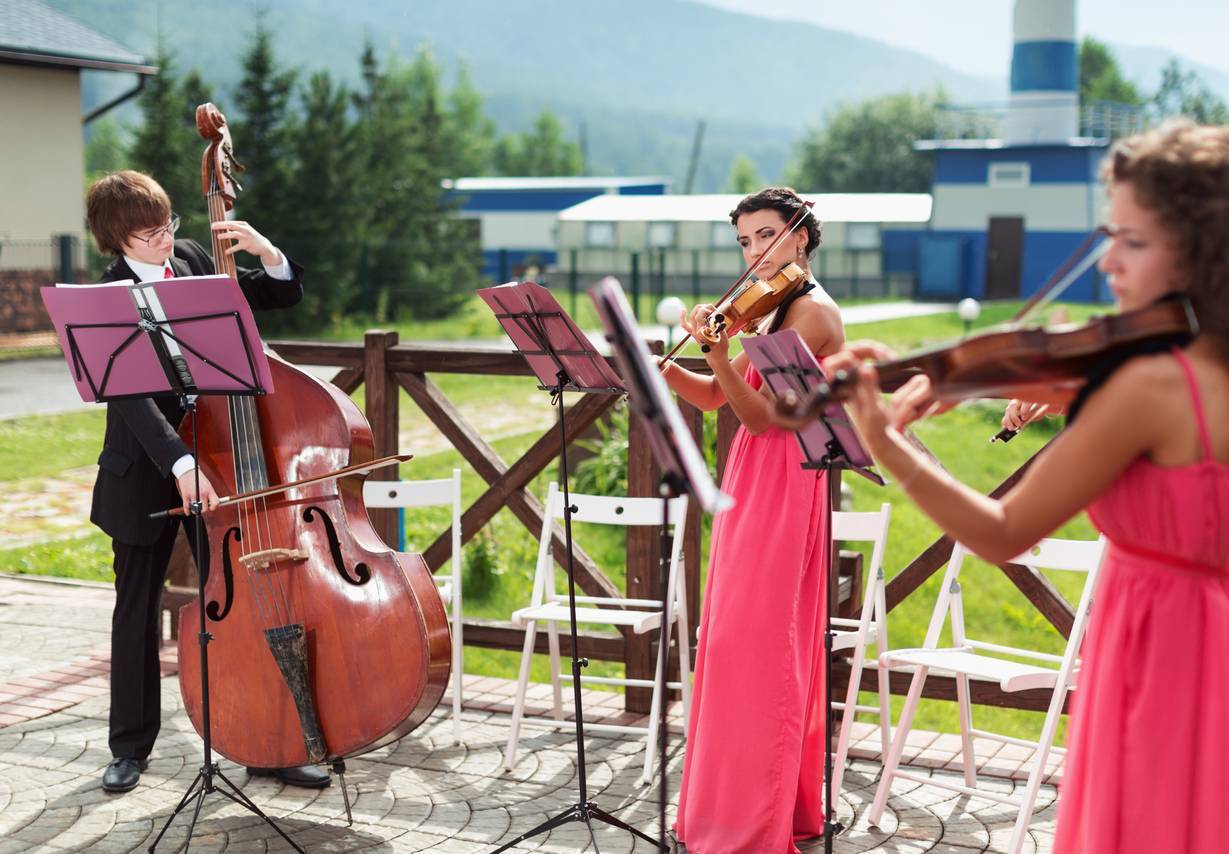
{"type": "Point", "coordinates": [325, 643]}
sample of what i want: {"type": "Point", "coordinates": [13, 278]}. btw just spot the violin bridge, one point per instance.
{"type": "Point", "coordinates": [263, 558]}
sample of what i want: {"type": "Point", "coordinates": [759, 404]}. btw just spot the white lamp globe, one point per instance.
{"type": "Point", "coordinates": [968, 309]}
{"type": "Point", "coordinates": [669, 310]}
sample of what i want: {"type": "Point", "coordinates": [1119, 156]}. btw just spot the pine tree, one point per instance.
{"type": "Point", "coordinates": [167, 147]}
{"type": "Point", "coordinates": [414, 261]}
{"type": "Point", "coordinates": [262, 135]}
{"type": "Point", "coordinates": [469, 133]}
{"type": "Point", "coordinates": [321, 231]}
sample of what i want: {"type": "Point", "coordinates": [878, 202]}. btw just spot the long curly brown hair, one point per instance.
{"type": "Point", "coordinates": [1180, 171]}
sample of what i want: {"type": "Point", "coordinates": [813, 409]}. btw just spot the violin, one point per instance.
{"type": "Point", "coordinates": [749, 299]}
{"type": "Point", "coordinates": [750, 302]}
{"type": "Point", "coordinates": [1036, 365]}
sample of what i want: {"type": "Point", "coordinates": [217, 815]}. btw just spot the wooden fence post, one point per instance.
{"type": "Point", "coordinates": [382, 398]}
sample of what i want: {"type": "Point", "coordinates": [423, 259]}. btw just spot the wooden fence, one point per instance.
{"type": "Point", "coordinates": [384, 367]}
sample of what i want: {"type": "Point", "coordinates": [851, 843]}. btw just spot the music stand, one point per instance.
{"type": "Point", "coordinates": [683, 471]}
{"type": "Point", "coordinates": [563, 359]}
{"type": "Point", "coordinates": [183, 336]}
{"type": "Point", "coordinates": [829, 444]}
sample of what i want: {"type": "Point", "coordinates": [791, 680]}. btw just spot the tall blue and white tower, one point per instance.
{"type": "Point", "coordinates": [1007, 211]}
{"type": "Point", "coordinates": [1044, 74]}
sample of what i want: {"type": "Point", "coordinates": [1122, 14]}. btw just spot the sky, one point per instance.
{"type": "Point", "coordinates": [975, 35]}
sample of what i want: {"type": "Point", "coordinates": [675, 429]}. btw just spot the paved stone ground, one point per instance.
{"type": "Point", "coordinates": [421, 794]}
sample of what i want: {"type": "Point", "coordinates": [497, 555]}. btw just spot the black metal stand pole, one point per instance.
{"type": "Point", "coordinates": [831, 826]}
{"type": "Point", "coordinates": [203, 784]}
{"type": "Point", "coordinates": [583, 810]}
{"type": "Point", "coordinates": [668, 491]}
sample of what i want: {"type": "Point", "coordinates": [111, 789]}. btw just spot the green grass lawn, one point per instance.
{"type": "Point", "coordinates": [40, 447]}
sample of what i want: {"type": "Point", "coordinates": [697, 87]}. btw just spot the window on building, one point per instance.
{"type": "Point", "coordinates": [721, 235]}
{"type": "Point", "coordinates": [661, 234]}
{"type": "Point", "coordinates": [862, 235]}
{"type": "Point", "coordinates": [600, 235]}
{"type": "Point", "coordinates": [1009, 174]}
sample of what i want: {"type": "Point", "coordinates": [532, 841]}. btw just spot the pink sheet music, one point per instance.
{"type": "Point", "coordinates": [135, 370]}
{"type": "Point", "coordinates": [786, 348]}
{"type": "Point", "coordinates": [564, 336]}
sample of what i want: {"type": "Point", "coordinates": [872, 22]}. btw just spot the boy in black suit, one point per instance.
{"type": "Point", "coordinates": [144, 465]}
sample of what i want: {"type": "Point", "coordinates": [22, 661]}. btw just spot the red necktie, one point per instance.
{"type": "Point", "coordinates": [167, 272]}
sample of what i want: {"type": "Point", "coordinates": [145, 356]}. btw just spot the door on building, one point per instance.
{"type": "Point", "coordinates": [1004, 244]}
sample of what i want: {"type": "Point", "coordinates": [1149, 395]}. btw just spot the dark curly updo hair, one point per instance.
{"type": "Point", "coordinates": [1180, 171]}
{"type": "Point", "coordinates": [784, 201]}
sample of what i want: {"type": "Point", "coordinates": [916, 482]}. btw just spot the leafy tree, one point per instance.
{"type": "Point", "coordinates": [167, 145]}
{"type": "Point", "coordinates": [867, 147]}
{"type": "Point", "coordinates": [1101, 77]}
{"type": "Point", "coordinates": [743, 178]}
{"type": "Point", "coordinates": [263, 136]}
{"type": "Point", "coordinates": [1185, 94]}
{"type": "Point", "coordinates": [542, 151]}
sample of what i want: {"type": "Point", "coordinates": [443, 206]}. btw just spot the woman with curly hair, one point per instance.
{"type": "Point", "coordinates": [1146, 452]}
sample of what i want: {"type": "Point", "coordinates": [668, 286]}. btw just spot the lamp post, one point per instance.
{"type": "Point", "coordinates": [669, 310]}
{"type": "Point", "coordinates": [969, 309]}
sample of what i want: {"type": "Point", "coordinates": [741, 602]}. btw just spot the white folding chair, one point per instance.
{"type": "Point", "coordinates": [434, 493]}
{"type": "Point", "coordinates": [549, 605]}
{"type": "Point", "coordinates": [871, 627]}
{"type": "Point", "coordinates": [967, 658]}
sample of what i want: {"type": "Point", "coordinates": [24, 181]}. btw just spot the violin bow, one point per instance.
{"type": "Point", "coordinates": [790, 228]}
{"type": "Point", "coordinates": [1066, 274]}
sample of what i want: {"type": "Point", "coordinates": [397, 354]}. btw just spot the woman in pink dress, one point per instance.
{"type": "Point", "coordinates": [751, 776]}
{"type": "Point", "coordinates": [1146, 451]}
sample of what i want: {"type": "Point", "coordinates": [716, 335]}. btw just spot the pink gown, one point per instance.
{"type": "Point", "coordinates": [1148, 763]}
{"type": "Point", "coordinates": [754, 761]}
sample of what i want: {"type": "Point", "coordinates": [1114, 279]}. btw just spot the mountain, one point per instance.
{"type": "Point", "coordinates": [639, 74]}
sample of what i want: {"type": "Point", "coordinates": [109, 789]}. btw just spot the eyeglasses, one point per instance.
{"type": "Point", "coordinates": [170, 228]}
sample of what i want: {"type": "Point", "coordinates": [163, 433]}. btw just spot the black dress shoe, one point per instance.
{"type": "Point", "coordinates": [306, 776]}
{"type": "Point", "coordinates": [122, 775]}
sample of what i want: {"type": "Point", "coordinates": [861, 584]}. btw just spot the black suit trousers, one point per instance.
{"type": "Point", "coordinates": [136, 630]}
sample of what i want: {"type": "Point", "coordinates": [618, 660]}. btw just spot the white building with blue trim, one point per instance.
{"type": "Point", "coordinates": [1008, 211]}
{"type": "Point", "coordinates": [517, 218]}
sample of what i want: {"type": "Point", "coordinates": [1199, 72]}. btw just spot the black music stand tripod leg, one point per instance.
{"type": "Point", "coordinates": [209, 768]}
{"type": "Point", "coordinates": [584, 810]}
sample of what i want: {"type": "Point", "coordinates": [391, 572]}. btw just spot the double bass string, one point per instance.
{"type": "Point", "coordinates": [266, 586]}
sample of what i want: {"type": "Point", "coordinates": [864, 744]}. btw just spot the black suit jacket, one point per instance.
{"type": "Point", "coordinates": [141, 443]}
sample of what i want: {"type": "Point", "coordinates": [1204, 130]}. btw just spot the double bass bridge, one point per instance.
{"type": "Point", "coordinates": [265, 557]}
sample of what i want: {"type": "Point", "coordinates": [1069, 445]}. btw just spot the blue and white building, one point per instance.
{"type": "Point", "coordinates": [1008, 211]}
{"type": "Point", "coordinates": [517, 217]}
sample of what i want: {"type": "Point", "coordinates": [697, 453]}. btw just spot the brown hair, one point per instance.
{"type": "Point", "coordinates": [784, 201]}
{"type": "Point", "coordinates": [122, 203]}
{"type": "Point", "coordinates": [1180, 171]}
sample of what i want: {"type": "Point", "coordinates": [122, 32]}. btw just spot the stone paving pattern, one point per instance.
{"type": "Point", "coordinates": [423, 793]}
